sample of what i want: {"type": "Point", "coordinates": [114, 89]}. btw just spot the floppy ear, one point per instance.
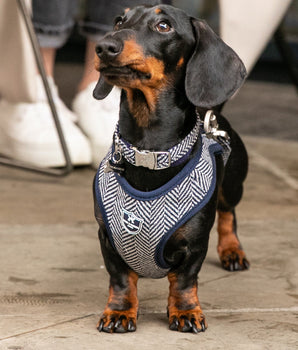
{"type": "Point", "coordinates": [102, 89]}
{"type": "Point", "coordinates": [214, 71]}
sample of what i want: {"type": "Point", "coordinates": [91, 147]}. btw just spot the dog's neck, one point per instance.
{"type": "Point", "coordinates": [166, 124]}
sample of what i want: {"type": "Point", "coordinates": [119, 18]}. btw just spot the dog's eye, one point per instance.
{"type": "Point", "coordinates": [118, 23]}
{"type": "Point", "coordinates": [163, 27]}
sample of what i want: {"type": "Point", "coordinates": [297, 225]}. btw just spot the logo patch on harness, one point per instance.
{"type": "Point", "coordinates": [131, 223]}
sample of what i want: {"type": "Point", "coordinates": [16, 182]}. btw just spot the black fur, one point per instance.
{"type": "Point", "coordinates": [208, 74]}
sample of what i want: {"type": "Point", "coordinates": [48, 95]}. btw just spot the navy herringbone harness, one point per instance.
{"type": "Point", "coordinates": [139, 224]}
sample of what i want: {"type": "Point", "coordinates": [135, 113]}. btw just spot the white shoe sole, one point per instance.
{"type": "Point", "coordinates": [44, 155]}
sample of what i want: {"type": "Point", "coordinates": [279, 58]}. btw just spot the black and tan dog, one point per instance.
{"type": "Point", "coordinates": [169, 66]}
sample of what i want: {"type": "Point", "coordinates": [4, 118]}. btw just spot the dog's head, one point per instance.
{"type": "Point", "coordinates": [151, 48]}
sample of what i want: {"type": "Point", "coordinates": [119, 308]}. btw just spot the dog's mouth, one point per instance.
{"type": "Point", "coordinates": [114, 74]}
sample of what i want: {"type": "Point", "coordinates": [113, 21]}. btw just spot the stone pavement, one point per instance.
{"type": "Point", "coordinates": [54, 285]}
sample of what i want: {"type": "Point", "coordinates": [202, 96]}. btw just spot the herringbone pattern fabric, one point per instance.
{"type": "Point", "coordinates": [176, 153]}
{"type": "Point", "coordinates": [137, 226]}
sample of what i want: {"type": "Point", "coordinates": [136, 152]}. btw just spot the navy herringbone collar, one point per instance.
{"type": "Point", "coordinates": [158, 160]}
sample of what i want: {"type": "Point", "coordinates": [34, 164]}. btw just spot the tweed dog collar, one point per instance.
{"type": "Point", "coordinates": [174, 156]}
{"type": "Point", "coordinates": [157, 160]}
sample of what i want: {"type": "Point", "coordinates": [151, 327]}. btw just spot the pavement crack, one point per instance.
{"type": "Point", "coordinates": [48, 326]}
{"type": "Point", "coordinates": [202, 283]}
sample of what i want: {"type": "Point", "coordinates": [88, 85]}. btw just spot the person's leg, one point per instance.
{"type": "Point", "coordinates": [247, 26]}
{"type": "Point", "coordinates": [53, 21]}
{"type": "Point", "coordinates": [27, 130]}
{"type": "Point", "coordinates": [48, 56]}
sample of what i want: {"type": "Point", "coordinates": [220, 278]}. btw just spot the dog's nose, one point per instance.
{"type": "Point", "coordinates": [108, 48]}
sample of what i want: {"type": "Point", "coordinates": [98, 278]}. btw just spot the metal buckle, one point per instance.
{"type": "Point", "coordinates": [148, 159]}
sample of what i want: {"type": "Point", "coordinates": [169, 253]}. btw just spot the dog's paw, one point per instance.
{"type": "Point", "coordinates": [234, 259]}
{"type": "Point", "coordinates": [117, 322]}
{"type": "Point", "coordinates": [188, 321]}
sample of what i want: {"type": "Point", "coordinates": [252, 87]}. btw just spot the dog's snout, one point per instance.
{"type": "Point", "coordinates": [108, 48]}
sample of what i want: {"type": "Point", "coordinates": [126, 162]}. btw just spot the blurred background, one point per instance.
{"type": "Point", "coordinates": [270, 66]}
{"type": "Point", "coordinates": [267, 103]}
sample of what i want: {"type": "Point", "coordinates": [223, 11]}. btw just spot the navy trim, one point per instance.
{"type": "Point", "coordinates": [159, 259]}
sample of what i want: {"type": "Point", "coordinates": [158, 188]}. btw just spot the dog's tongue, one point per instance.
{"type": "Point", "coordinates": [102, 89]}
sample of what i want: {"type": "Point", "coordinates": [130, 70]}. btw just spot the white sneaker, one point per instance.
{"type": "Point", "coordinates": [28, 133]}
{"type": "Point", "coordinates": [97, 119]}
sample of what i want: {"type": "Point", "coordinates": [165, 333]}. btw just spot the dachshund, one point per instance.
{"type": "Point", "coordinates": [169, 169]}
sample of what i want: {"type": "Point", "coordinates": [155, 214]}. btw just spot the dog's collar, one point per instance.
{"type": "Point", "coordinates": [156, 160]}
{"type": "Point", "coordinates": [174, 156]}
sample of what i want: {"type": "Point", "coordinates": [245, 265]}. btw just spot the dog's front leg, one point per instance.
{"type": "Point", "coordinates": [184, 310]}
{"type": "Point", "coordinates": [120, 313]}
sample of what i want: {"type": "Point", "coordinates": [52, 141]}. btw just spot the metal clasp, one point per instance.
{"type": "Point", "coordinates": [211, 128]}
{"type": "Point", "coordinates": [117, 154]}
{"type": "Point", "coordinates": [148, 159]}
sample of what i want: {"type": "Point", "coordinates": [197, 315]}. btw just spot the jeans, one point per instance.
{"type": "Point", "coordinates": [53, 20]}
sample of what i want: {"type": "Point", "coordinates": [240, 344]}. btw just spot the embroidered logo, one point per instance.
{"type": "Point", "coordinates": [131, 223]}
